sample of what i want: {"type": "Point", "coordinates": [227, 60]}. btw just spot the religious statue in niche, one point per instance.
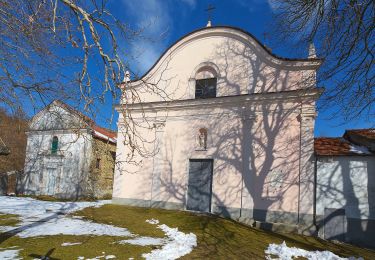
{"type": "Point", "coordinates": [202, 139]}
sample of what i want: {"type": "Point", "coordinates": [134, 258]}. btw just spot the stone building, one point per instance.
{"type": "Point", "coordinates": [230, 129]}
{"type": "Point", "coordinates": [68, 155]}
{"type": "Point", "coordinates": [345, 187]}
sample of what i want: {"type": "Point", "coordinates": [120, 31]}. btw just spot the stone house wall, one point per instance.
{"type": "Point", "coordinates": [345, 198]}
{"type": "Point", "coordinates": [101, 173]}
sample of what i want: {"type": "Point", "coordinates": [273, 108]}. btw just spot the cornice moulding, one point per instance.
{"type": "Point", "coordinates": [256, 98]}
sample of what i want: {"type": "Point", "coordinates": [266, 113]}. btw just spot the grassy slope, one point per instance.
{"type": "Point", "coordinates": [8, 220]}
{"type": "Point", "coordinates": [217, 238]}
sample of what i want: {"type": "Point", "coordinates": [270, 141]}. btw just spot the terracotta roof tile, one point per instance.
{"type": "Point", "coordinates": [99, 132]}
{"type": "Point", "coordinates": [338, 146]}
{"type": "Point", "coordinates": [368, 133]}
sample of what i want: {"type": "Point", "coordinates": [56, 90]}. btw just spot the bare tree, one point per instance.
{"type": "Point", "coordinates": [344, 33]}
{"type": "Point", "coordinates": [50, 47]}
{"type": "Point", "coordinates": [69, 50]}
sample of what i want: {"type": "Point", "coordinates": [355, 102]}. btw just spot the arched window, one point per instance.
{"type": "Point", "coordinates": [205, 82]}
{"type": "Point", "coordinates": [55, 145]}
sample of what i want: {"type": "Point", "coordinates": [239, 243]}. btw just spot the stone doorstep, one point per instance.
{"type": "Point", "coordinates": [279, 227]}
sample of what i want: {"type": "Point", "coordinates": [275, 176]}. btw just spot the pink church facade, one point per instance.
{"type": "Point", "coordinates": [225, 127]}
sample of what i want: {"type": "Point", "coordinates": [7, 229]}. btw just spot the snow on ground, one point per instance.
{"type": "Point", "coordinates": [152, 221]}
{"type": "Point", "coordinates": [70, 244]}
{"type": "Point", "coordinates": [11, 254]}
{"type": "Point", "coordinates": [176, 244]}
{"type": "Point", "coordinates": [43, 218]}
{"type": "Point", "coordinates": [97, 257]}
{"type": "Point", "coordinates": [67, 226]}
{"type": "Point", "coordinates": [143, 241]}
{"type": "Point", "coordinates": [288, 253]}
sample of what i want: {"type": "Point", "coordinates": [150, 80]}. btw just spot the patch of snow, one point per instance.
{"type": "Point", "coordinates": [44, 218]}
{"type": "Point", "coordinates": [143, 241]}
{"type": "Point", "coordinates": [177, 244]}
{"type": "Point", "coordinates": [28, 207]}
{"type": "Point", "coordinates": [152, 221]}
{"type": "Point", "coordinates": [359, 149]}
{"type": "Point", "coordinates": [11, 254]}
{"type": "Point", "coordinates": [67, 226]}
{"type": "Point", "coordinates": [288, 253]}
{"type": "Point", "coordinates": [70, 244]}
{"type": "Point", "coordinates": [98, 257]}
{"type": "Point", "coordinates": [6, 228]}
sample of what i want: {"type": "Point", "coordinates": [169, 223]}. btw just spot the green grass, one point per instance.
{"type": "Point", "coordinates": [91, 247]}
{"type": "Point", "coordinates": [8, 220]}
{"type": "Point", "coordinates": [218, 238]}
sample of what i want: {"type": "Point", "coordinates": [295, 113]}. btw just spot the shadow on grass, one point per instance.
{"type": "Point", "coordinates": [6, 235]}
{"type": "Point", "coordinates": [46, 256]}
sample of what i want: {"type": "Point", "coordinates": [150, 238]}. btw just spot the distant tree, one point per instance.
{"type": "Point", "coordinates": [344, 32]}
{"type": "Point", "coordinates": [12, 132]}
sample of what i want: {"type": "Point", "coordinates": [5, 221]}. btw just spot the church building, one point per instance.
{"type": "Point", "coordinates": [222, 125]}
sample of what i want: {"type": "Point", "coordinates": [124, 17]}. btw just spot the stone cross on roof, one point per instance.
{"type": "Point", "coordinates": [209, 11]}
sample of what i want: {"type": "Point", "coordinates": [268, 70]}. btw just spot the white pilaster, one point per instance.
{"type": "Point", "coordinates": [306, 177]}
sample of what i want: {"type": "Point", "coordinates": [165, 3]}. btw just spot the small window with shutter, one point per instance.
{"type": "Point", "coordinates": [55, 145]}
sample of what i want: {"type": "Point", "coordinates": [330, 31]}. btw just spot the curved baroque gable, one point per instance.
{"type": "Point", "coordinates": [241, 64]}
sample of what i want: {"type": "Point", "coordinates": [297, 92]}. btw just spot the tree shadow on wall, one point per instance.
{"type": "Point", "coordinates": [345, 204]}
{"type": "Point", "coordinates": [254, 142]}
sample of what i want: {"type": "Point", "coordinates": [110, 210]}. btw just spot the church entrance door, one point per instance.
{"type": "Point", "coordinates": [51, 176]}
{"type": "Point", "coordinates": [200, 185]}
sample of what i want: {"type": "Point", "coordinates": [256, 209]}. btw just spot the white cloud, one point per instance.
{"type": "Point", "coordinates": [254, 5]}
{"type": "Point", "coordinates": [151, 14]}
{"type": "Point", "coordinates": [273, 4]}
{"type": "Point", "coordinates": [154, 18]}
{"type": "Point", "coordinates": [191, 3]}
{"type": "Point", "coordinates": [145, 55]}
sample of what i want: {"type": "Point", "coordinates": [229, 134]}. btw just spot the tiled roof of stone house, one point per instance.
{"type": "Point", "coordinates": [98, 131]}
{"type": "Point", "coordinates": [345, 146]}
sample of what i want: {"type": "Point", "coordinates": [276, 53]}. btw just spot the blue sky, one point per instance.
{"type": "Point", "coordinates": [168, 20]}
{"type": "Point", "coordinates": [165, 21]}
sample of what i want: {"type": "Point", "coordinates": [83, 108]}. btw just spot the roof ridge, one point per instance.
{"type": "Point", "coordinates": [91, 123]}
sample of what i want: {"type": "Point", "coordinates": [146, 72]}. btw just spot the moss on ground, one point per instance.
{"type": "Point", "coordinates": [91, 247]}
{"type": "Point", "coordinates": [218, 238]}
{"type": "Point", "coordinates": [8, 220]}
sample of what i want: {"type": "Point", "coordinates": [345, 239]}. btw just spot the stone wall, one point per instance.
{"type": "Point", "coordinates": [101, 173]}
